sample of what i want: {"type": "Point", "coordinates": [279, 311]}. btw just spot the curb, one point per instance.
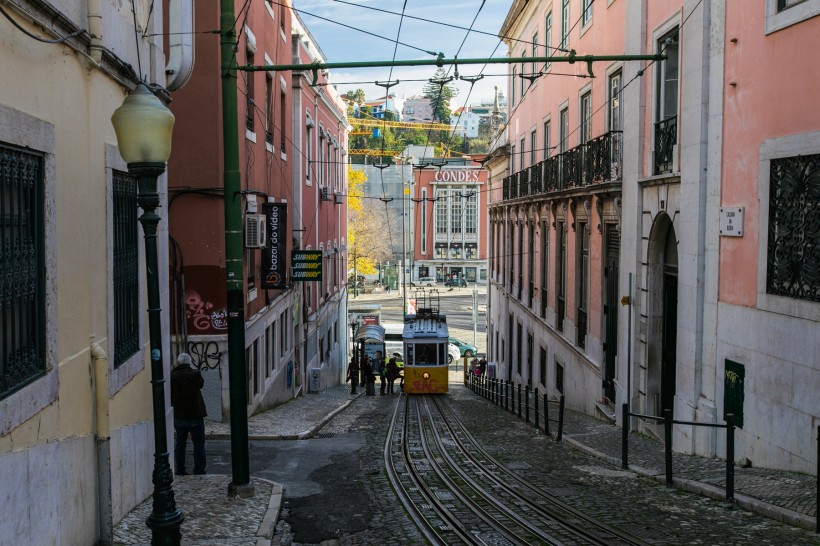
{"type": "Point", "coordinates": [271, 517]}
{"type": "Point", "coordinates": [750, 504]}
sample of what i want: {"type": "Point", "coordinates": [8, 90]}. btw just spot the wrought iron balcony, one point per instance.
{"type": "Point", "coordinates": [598, 161]}
{"type": "Point", "coordinates": [666, 136]}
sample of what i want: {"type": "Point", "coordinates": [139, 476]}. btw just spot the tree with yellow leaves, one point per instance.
{"type": "Point", "coordinates": [366, 222]}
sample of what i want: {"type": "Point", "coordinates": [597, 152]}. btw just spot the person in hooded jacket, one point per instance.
{"type": "Point", "coordinates": [189, 413]}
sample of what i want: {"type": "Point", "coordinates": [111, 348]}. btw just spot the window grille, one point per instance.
{"type": "Point", "coordinates": [126, 267]}
{"type": "Point", "coordinates": [22, 256]}
{"type": "Point", "coordinates": [793, 269]}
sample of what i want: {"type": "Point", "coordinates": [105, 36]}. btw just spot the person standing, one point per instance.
{"type": "Point", "coordinates": [392, 374]}
{"type": "Point", "coordinates": [353, 374]}
{"type": "Point", "coordinates": [189, 413]}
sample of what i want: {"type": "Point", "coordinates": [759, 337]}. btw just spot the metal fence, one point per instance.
{"type": "Point", "coordinates": [520, 399]}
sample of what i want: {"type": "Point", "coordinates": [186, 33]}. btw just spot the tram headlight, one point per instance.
{"type": "Point", "coordinates": [426, 375]}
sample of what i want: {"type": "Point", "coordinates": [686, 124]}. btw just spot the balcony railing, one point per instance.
{"type": "Point", "coordinates": [598, 161]}
{"type": "Point", "coordinates": [666, 136]}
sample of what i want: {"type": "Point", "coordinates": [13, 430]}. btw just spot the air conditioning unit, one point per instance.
{"type": "Point", "coordinates": [255, 232]}
{"type": "Point", "coordinates": [325, 194]}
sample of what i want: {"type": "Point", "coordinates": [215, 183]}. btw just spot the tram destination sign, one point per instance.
{"type": "Point", "coordinates": [306, 265]}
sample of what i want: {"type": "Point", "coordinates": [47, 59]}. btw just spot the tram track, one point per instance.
{"type": "Point", "coordinates": [456, 492]}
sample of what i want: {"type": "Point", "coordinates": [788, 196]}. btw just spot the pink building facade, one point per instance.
{"type": "Point", "coordinates": [449, 230]}
{"type": "Point", "coordinates": [678, 193]}
{"type": "Point", "coordinates": [280, 203]}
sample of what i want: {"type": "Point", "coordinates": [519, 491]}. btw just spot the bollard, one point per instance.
{"type": "Point", "coordinates": [535, 402]}
{"type": "Point", "coordinates": [730, 458]}
{"type": "Point", "coordinates": [519, 399]}
{"type": "Point", "coordinates": [527, 403]}
{"type": "Point", "coordinates": [561, 418]}
{"type": "Point", "coordinates": [546, 416]}
{"type": "Point", "coordinates": [625, 436]}
{"type": "Point", "coordinates": [667, 444]}
{"type": "Point", "coordinates": [506, 394]}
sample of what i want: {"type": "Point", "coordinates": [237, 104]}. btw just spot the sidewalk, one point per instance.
{"type": "Point", "coordinates": [213, 518]}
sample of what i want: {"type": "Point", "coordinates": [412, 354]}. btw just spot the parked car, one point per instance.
{"type": "Point", "coordinates": [453, 353]}
{"type": "Point", "coordinates": [465, 349]}
{"type": "Point", "coordinates": [425, 281]}
{"type": "Point", "coordinates": [455, 282]}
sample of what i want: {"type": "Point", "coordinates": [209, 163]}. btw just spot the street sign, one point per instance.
{"type": "Point", "coordinates": [307, 265]}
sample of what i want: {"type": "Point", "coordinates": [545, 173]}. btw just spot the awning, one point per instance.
{"type": "Point", "coordinates": [370, 333]}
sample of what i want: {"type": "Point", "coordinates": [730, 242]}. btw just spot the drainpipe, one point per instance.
{"type": "Point", "coordinates": [95, 30]}
{"type": "Point", "coordinates": [180, 43]}
{"type": "Point", "coordinates": [103, 440]}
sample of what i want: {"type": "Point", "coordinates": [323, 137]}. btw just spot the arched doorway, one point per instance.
{"type": "Point", "coordinates": [663, 317]}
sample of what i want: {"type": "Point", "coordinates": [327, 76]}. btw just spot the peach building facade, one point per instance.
{"type": "Point", "coordinates": [698, 293]}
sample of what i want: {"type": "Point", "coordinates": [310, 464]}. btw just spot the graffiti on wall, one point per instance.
{"type": "Point", "coordinates": [203, 315]}
{"type": "Point", "coordinates": [205, 354]}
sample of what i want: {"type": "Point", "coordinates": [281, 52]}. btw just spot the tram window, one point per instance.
{"type": "Point", "coordinates": [426, 353]}
{"type": "Point", "coordinates": [408, 358]}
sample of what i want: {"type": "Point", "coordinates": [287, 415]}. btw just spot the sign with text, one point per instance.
{"type": "Point", "coordinates": [307, 265]}
{"type": "Point", "coordinates": [274, 266]}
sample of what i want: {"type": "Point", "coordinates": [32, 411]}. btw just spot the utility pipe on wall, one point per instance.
{"type": "Point", "coordinates": [95, 30]}
{"type": "Point", "coordinates": [102, 434]}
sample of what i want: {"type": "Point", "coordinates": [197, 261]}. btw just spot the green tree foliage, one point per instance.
{"type": "Point", "coordinates": [441, 95]}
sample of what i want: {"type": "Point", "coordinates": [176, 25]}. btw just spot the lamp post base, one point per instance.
{"type": "Point", "coordinates": [244, 491]}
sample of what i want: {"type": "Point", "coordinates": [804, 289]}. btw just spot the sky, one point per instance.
{"type": "Point", "coordinates": [341, 29]}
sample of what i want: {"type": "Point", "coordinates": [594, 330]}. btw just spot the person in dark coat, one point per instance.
{"type": "Point", "coordinates": [353, 374]}
{"type": "Point", "coordinates": [392, 374]}
{"type": "Point", "coordinates": [189, 413]}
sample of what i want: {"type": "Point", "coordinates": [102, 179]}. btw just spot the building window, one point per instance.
{"type": "Point", "coordinates": [441, 212]}
{"type": "Point", "coordinates": [794, 240]}
{"type": "Point", "coordinates": [522, 154]}
{"type": "Point", "coordinates": [126, 267]}
{"type": "Point", "coordinates": [22, 240]}
{"type": "Point", "coordinates": [520, 259]}
{"type": "Point", "coordinates": [564, 24]}
{"type": "Point", "coordinates": [282, 122]}
{"type": "Point", "coordinates": [542, 368]}
{"type": "Point", "coordinates": [455, 214]}
{"type": "Point", "coordinates": [786, 4]}
{"type": "Point", "coordinates": [512, 86]}
{"type": "Point", "coordinates": [320, 159]}
{"type": "Point", "coordinates": [513, 157]}
{"type": "Point", "coordinates": [308, 150]}
{"type": "Point", "coordinates": [250, 103]}
{"type": "Point", "coordinates": [559, 377]}
{"type": "Point", "coordinates": [548, 39]}
{"type": "Point", "coordinates": [530, 263]}
{"type": "Point", "coordinates": [523, 71]}
{"type": "Point", "coordinates": [586, 15]}
{"type": "Point", "coordinates": [583, 283]}
{"type": "Point", "coordinates": [269, 108]}
{"type": "Point", "coordinates": [423, 220]}
{"type": "Point", "coordinates": [547, 129]}
{"type": "Point", "coordinates": [534, 53]}
{"type": "Point", "coordinates": [614, 118]}
{"type": "Point", "coordinates": [545, 256]}
{"type": "Point", "coordinates": [561, 276]}
{"type": "Point", "coordinates": [518, 346]}
{"type": "Point", "coordinates": [666, 102]}
{"type": "Point", "coordinates": [533, 148]}
{"type": "Point", "coordinates": [586, 118]}
{"type": "Point", "coordinates": [564, 130]}
{"type": "Point", "coordinates": [471, 213]}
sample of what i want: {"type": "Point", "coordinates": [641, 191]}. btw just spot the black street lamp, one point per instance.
{"type": "Point", "coordinates": [143, 126]}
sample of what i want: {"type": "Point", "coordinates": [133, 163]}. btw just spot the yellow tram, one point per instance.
{"type": "Point", "coordinates": [425, 341]}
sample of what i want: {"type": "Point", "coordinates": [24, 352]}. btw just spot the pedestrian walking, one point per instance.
{"type": "Point", "coordinates": [353, 374]}
{"type": "Point", "coordinates": [392, 373]}
{"type": "Point", "coordinates": [382, 380]}
{"type": "Point", "coordinates": [189, 413]}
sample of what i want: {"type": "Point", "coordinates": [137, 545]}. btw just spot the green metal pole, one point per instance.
{"type": "Point", "coordinates": [240, 467]}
